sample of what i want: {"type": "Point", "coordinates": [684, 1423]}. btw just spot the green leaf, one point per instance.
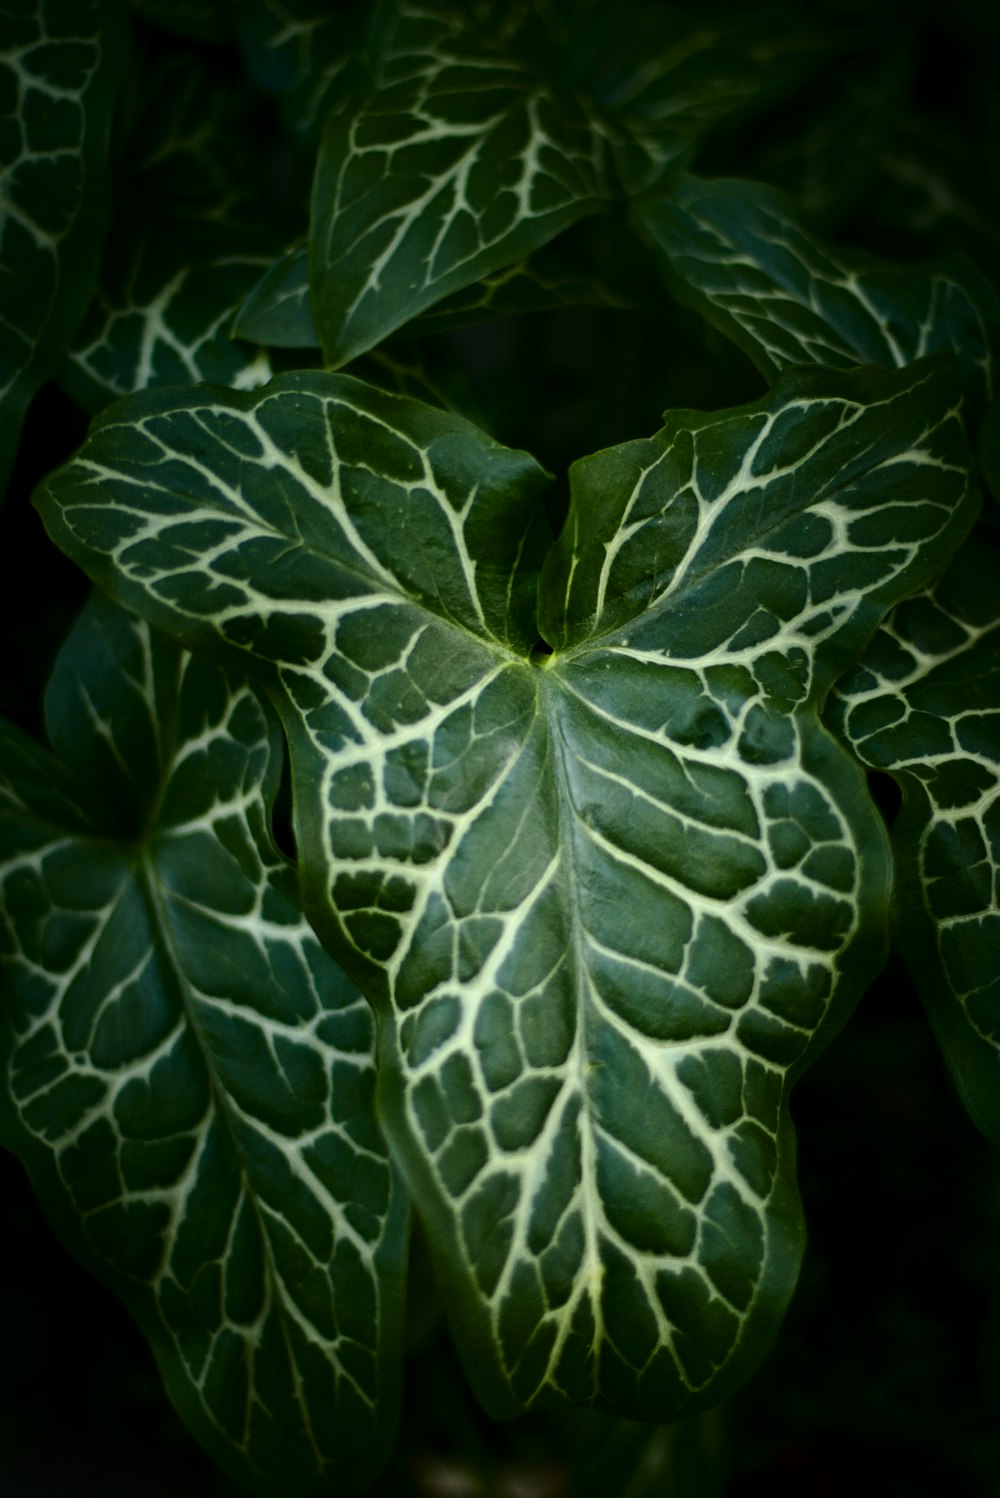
{"type": "Point", "coordinates": [276, 311]}
{"type": "Point", "coordinates": [606, 901]}
{"type": "Point", "coordinates": [60, 71]}
{"type": "Point", "coordinates": [187, 1075]}
{"type": "Point", "coordinates": [922, 705]}
{"type": "Point", "coordinates": [739, 252]}
{"type": "Point", "coordinates": [459, 158]}
{"type": "Point", "coordinates": [584, 266]}
{"type": "Point", "coordinates": [163, 316]}
{"type": "Point", "coordinates": [663, 77]}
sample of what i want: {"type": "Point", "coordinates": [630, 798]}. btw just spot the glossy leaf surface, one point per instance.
{"type": "Point", "coordinates": [60, 70]}
{"type": "Point", "coordinates": [739, 252]}
{"type": "Point", "coordinates": [922, 705]}
{"type": "Point", "coordinates": [188, 1076]}
{"type": "Point", "coordinates": [607, 900]}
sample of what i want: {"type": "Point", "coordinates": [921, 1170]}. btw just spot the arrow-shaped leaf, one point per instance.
{"type": "Point", "coordinates": [739, 252]}
{"type": "Point", "coordinates": [187, 1075]}
{"type": "Point", "coordinates": [607, 900]}
{"type": "Point", "coordinates": [61, 64]}
{"type": "Point", "coordinates": [921, 705]}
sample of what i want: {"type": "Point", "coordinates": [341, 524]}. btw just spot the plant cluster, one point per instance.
{"type": "Point", "coordinates": [429, 856]}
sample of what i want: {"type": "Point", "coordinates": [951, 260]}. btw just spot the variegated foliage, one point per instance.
{"type": "Point", "coordinates": [187, 1075]}
{"type": "Point", "coordinates": [923, 705]}
{"type": "Point", "coordinates": [608, 893]}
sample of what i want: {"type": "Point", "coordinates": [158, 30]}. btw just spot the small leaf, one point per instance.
{"type": "Point", "coordinates": [609, 900]}
{"type": "Point", "coordinates": [922, 706]}
{"type": "Point", "coordinates": [60, 72]}
{"type": "Point", "coordinates": [457, 160]}
{"type": "Point", "coordinates": [187, 1075]}
{"type": "Point", "coordinates": [739, 252]}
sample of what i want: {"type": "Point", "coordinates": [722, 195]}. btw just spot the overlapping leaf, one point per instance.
{"type": "Point", "coordinates": [579, 268]}
{"type": "Point", "coordinates": [61, 65]}
{"type": "Point", "coordinates": [164, 317]}
{"type": "Point", "coordinates": [923, 705]}
{"type": "Point", "coordinates": [606, 900]}
{"type": "Point", "coordinates": [739, 252]}
{"type": "Point", "coordinates": [458, 160]}
{"type": "Point", "coordinates": [187, 1075]}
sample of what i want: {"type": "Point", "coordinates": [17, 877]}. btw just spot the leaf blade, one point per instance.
{"type": "Point", "coordinates": [608, 901]}
{"type": "Point", "coordinates": [921, 706]}
{"type": "Point", "coordinates": [189, 1078]}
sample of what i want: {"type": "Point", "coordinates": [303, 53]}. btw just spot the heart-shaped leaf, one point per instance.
{"type": "Point", "coordinates": [606, 900]}
{"type": "Point", "coordinates": [187, 1075]}
{"type": "Point", "coordinates": [922, 705]}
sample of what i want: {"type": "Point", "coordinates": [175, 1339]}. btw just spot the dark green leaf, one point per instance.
{"type": "Point", "coordinates": [739, 252]}
{"type": "Point", "coordinates": [60, 71]}
{"type": "Point", "coordinates": [187, 1075]}
{"type": "Point", "coordinates": [583, 266]}
{"type": "Point", "coordinates": [923, 705]}
{"type": "Point", "coordinates": [607, 901]}
{"type": "Point", "coordinates": [277, 312]}
{"type": "Point", "coordinates": [300, 51]}
{"type": "Point", "coordinates": [163, 316]}
{"type": "Point", "coordinates": [456, 160]}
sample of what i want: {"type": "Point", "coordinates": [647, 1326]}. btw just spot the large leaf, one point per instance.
{"type": "Point", "coordinates": [923, 705]}
{"type": "Point", "coordinates": [739, 252]}
{"type": "Point", "coordinates": [60, 70]}
{"type": "Point", "coordinates": [187, 1075]}
{"type": "Point", "coordinates": [458, 158]}
{"type": "Point", "coordinates": [606, 900]}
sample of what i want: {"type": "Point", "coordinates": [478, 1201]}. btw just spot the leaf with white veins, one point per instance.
{"type": "Point", "coordinates": [921, 705]}
{"type": "Point", "coordinates": [608, 900]}
{"type": "Point", "coordinates": [457, 159]}
{"type": "Point", "coordinates": [739, 253]}
{"type": "Point", "coordinates": [187, 1075]}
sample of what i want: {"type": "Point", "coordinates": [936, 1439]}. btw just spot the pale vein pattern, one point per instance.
{"type": "Point", "coordinates": [602, 896]}
{"type": "Point", "coordinates": [202, 1074]}
{"type": "Point", "coordinates": [790, 299]}
{"type": "Point", "coordinates": [921, 706]}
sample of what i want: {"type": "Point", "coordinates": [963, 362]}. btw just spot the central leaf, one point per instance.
{"type": "Point", "coordinates": [606, 900]}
